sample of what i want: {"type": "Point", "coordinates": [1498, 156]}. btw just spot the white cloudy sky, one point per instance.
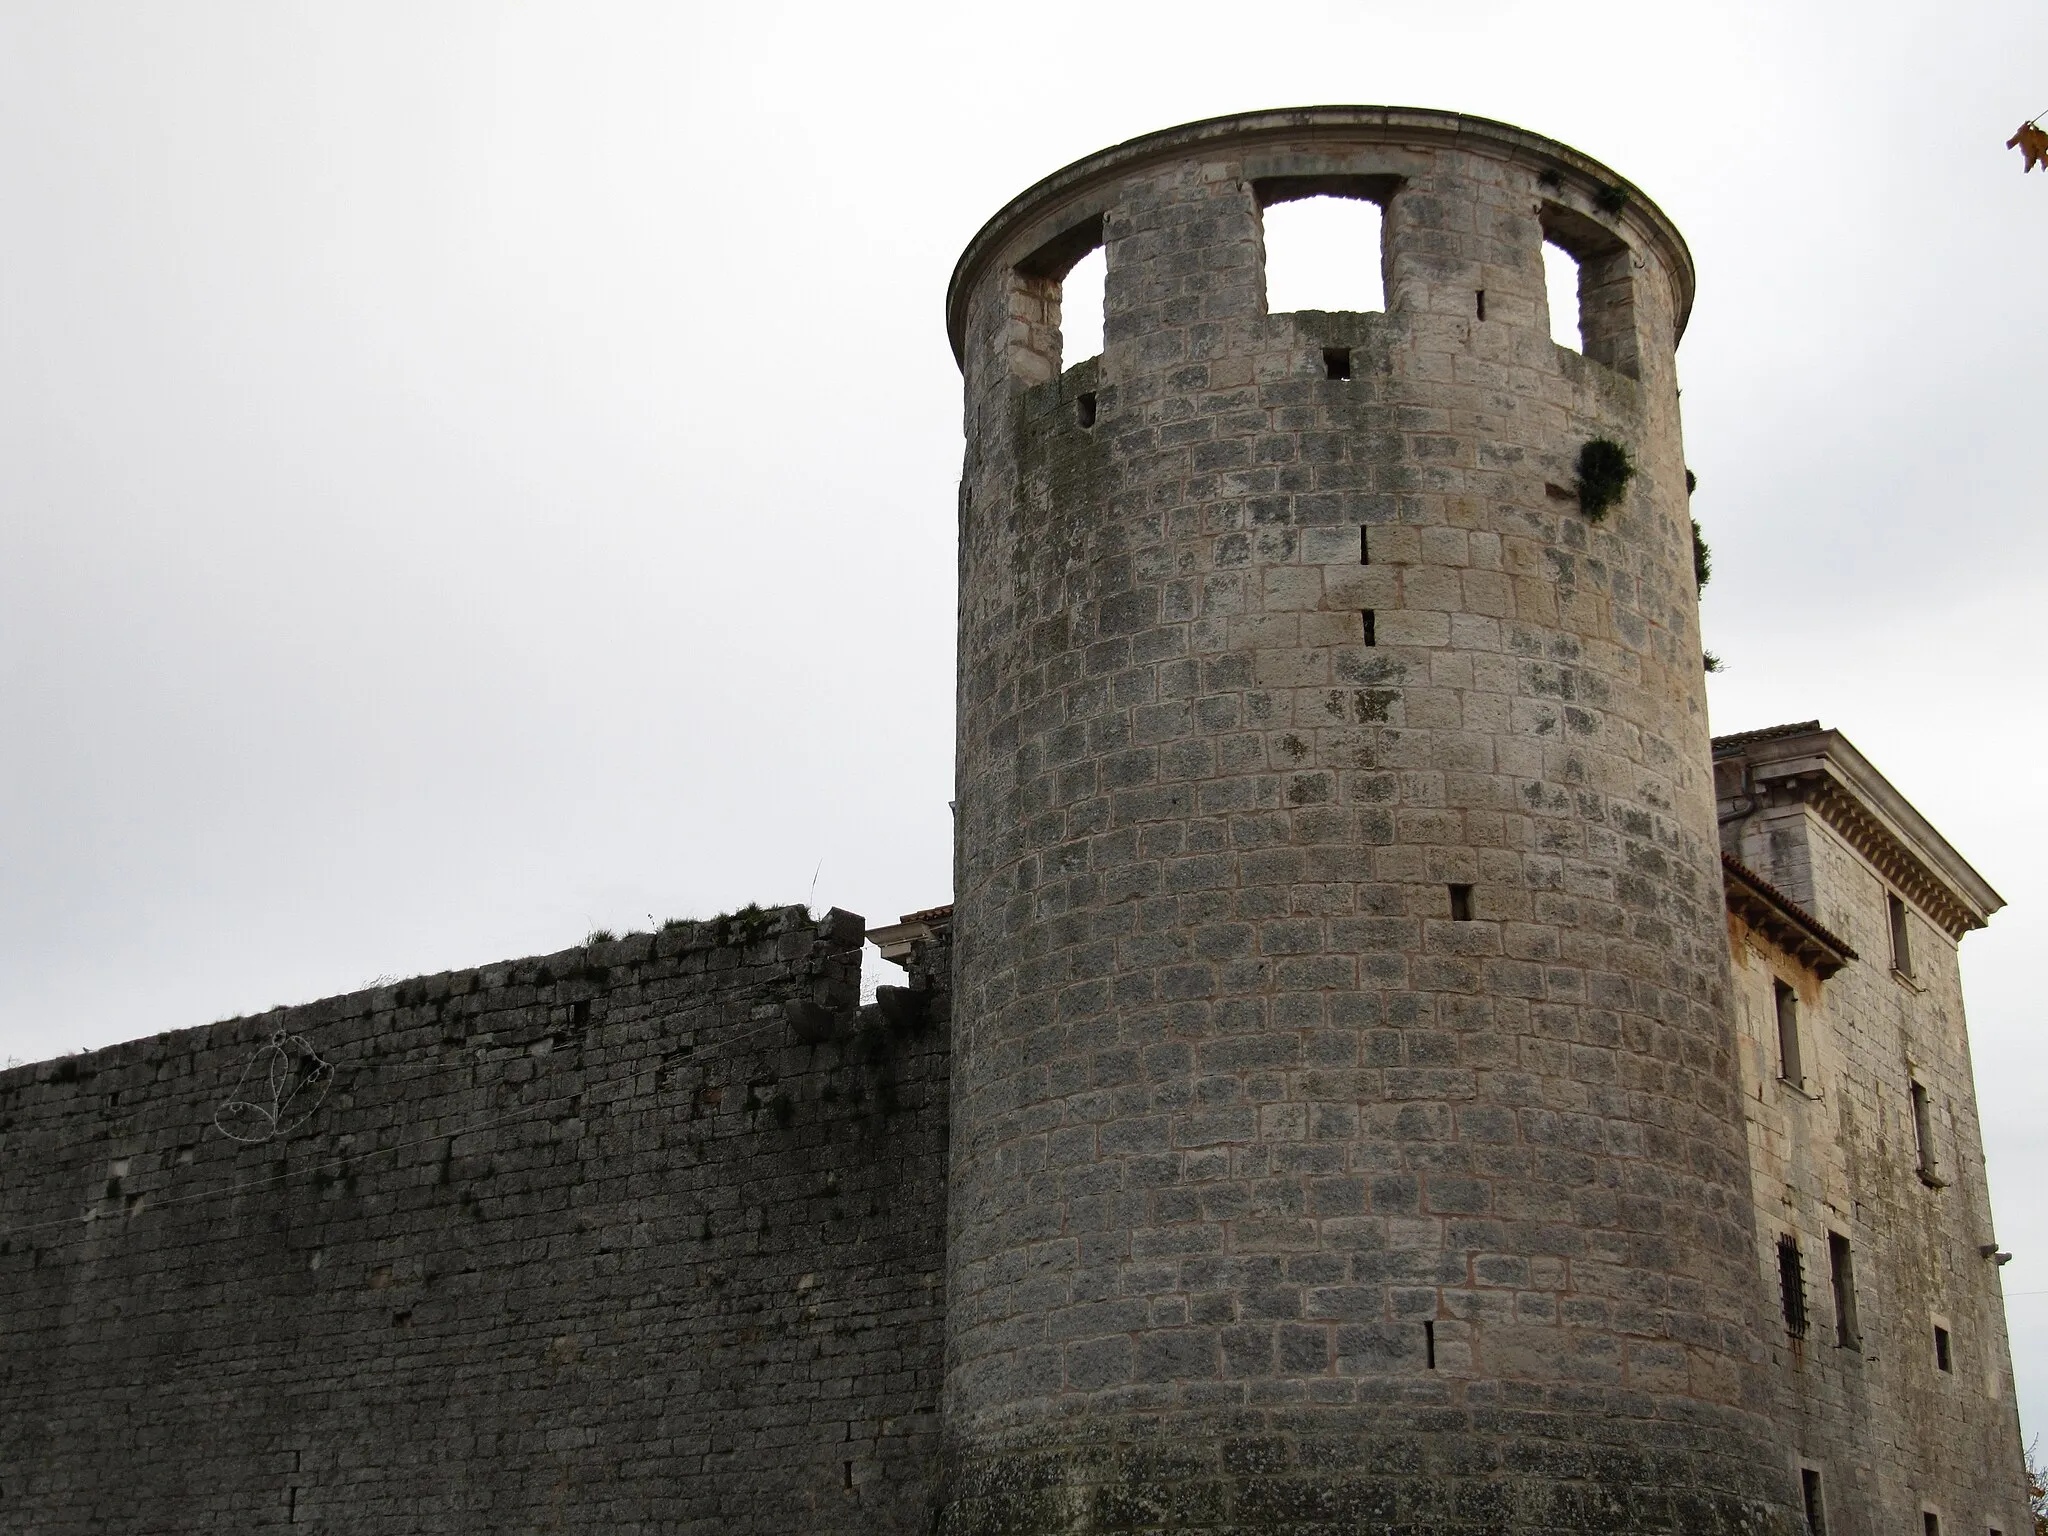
{"type": "Point", "coordinates": [473, 473]}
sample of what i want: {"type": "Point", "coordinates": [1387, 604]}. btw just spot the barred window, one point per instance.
{"type": "Point", "coordinates": [1792, 1285]}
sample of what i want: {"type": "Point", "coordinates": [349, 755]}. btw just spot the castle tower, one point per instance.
{"type": "Point", "coordinates": [1345, 1130]}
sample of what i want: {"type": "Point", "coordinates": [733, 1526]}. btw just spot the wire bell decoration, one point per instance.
{"type": "Point", "coordinates": [278, 1091]}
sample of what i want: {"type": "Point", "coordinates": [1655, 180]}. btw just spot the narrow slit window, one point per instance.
{"type": "Point", "coordinates": [1337, 363]}
{"type": "Point", "coordinates": [1084, 408]}
{"type": "Point", "coordinates": [1371, 627]}
{"type": "Point", "coordinates": [1792, 1285]}
{"type": "Point", "coordinates": [1842, 1279]}
{"type": "Point", "coordinates": [1790, 1064]}
{"type": "Point", "coordinates": [1561, 286]}
{"type": "Point", "coordinates": [1482, 302]}
{"type": "Point", "coordinates": [1364, 549]}
{"type": "Point", "coordinates": [1943, 1360]}
{"type": "Point", "coordinates": [1323, 253]}
{"type": "Point", "coordinates": [1902, 946]}
{"type": "Point", "coordinates": [1429, 1343]}
{"type": "Point", "coordinates": [1816, 1516]}
{"type": "Point", "coordinates": [1461, 903]}
{"type": "Point", "coordinates": [1081, 300]}
{"type": "Point", "coordinates": [1930, 1523]}
{"type": "Point", "coordinates": [1923, 1130]}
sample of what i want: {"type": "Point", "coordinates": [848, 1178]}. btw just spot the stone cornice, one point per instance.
{"type": "Point", "coordinates": [1770, 912]}
{"type": "Point", "coordinates": [1822, 769]}
{"type": "Point", "coordinates": [1895, 860]}
{"type": "Point", "coordinates": [898, 939]}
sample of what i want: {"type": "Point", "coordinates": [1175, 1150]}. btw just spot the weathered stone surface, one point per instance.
{"type": "Point", "coordinates": [1871, 1411]}
{"type": "Point", "coordinates": [587, 1242]}
{"type": "Point", "coordinates": [1352, 1126]}
{"type": "Point", "coordinates": [1256, 1140]}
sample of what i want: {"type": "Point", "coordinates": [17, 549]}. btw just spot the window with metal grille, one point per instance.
{"type": "Point", "coordinates": [1792, 1285]}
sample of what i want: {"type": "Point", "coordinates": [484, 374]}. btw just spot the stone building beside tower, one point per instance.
{"type": "Point", "coordinates": [1385, 1067]}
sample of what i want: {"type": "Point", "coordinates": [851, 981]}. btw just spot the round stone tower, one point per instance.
{"type": "Point", "coordinates": [1345, 1132]}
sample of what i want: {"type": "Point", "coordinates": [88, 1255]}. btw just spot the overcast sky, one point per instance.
{"type": "Point", "coordinates": [475, 473]}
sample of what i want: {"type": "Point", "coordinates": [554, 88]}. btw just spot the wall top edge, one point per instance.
{"type": "Point", "coordinates": [1421, 127]}
{"type": "Point", "coordinates": [580, 962]}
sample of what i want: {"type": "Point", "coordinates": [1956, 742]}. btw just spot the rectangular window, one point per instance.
{"type": "Point", "coordinates": [1816, 1517]}
{"type": "Point", "coordinates": [1942, 1359]}
{"type": "Point", "coordinates": [1561, 289]}
{"type": "Point", "coordinates": [1923, 1132]}
{"type": "Point", "coordinates": [1930, 1523]}
{"type": "Point", "coordinates": [1461, 903]}
{"type": "Point", "coordinates": [1792, 1285]}
{"type": "Point", "coordinates": [1902, 949]}
{"type": "Point", "coordinates": [1324, 250]}
{"type": "Point", "coordinates": [1842, 1277]}
{"type": "Point", "coordinates": [1589, 277]}
{"type": "Point", "coordinates": [1079, 318]}
{"type": "Point", "coordinates": [1790, 1065]}
{"type": "Point", "coordinates": [1055, 303]}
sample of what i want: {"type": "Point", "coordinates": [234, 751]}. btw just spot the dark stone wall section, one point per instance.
{"type": "Point", "coordinates": [645, 1236]}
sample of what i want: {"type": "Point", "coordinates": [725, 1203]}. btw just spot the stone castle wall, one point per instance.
{"type": "Point", "coordinates": [1286, 1192]}
{"type": "Point", "coordinates": [595, 1241]}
